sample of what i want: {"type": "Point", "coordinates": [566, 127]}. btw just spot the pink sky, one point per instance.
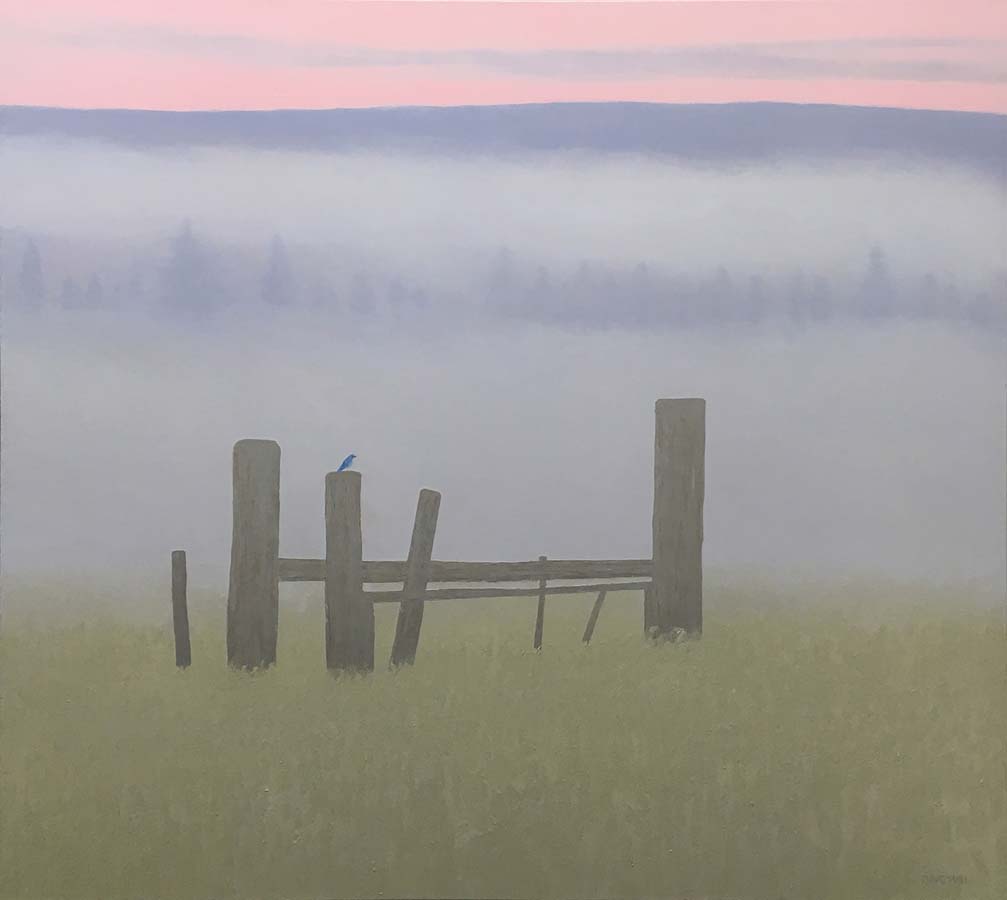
{"type": "Point", "coordinates": [216, 54]}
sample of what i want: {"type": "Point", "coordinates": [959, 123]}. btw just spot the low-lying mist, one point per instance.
{"type": "Point", "coordinates": [835, 451]}
{"type": "Point", "coordinates": [430, 215]}
{"type": "Point", "coordinates": [836, 445]}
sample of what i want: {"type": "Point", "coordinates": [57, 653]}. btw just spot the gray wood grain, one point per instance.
{"type": "Point", "coordinates": [349, 614]}
{"type": "Point", "coordinates": [679, 486]}
{"type": "Point", "coordinates": [407, 626]}
{"type": "Point", "coordinates": [253, 593]}
{"type": "Point", "coordinates": [180, 609]}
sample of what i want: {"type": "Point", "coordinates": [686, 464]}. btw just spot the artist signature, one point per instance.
{"type": "Point", "coordinates": [944, 878]}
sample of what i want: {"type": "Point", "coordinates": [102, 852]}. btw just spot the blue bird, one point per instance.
{"type": "Point", "coordinates": [346, 463]}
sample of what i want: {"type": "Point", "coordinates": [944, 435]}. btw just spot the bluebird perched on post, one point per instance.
{"type": "Point", "coordinates": [346, 463]}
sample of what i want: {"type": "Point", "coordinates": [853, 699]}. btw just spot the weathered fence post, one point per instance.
{"type": "Point", "coordinates": [254, 591]}
{"type": "Point", "coordinates": [679, 450]}
{"type": "Point", "coordinates": [421, 548]}
{"type": "Point", "coordinates": [540, 615]}
{"type": "Point", "coordinates": [180, 610]}
{"type": "Point", "coordinates": [649, 617]}
{"type": "Point", "coordinates": [592, 619]}
{"type": "Point", "coordinates": [349, 614]}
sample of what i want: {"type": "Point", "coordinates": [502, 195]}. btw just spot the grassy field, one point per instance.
{"type": "Point", "coordinates": [795, 752]}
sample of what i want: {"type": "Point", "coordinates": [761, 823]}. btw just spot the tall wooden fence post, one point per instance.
{"type": "Point", "coordinates": [540, 614]}
{"type": "Point", "coordinates": [421, 548]}
{"type": "Point", "coordinates": [649, 617]}
{"type": "Point", "coordinates": [180, 609]}
{"type": "Point", "coordinates": [254, 592]}
{"type": "Point", "coordinates": [679, 450]}
{"type": "Point", "coordinates": [349, 614]}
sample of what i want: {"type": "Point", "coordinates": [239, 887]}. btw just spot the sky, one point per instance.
{"type": "Point", "coordinates": [252, 54]}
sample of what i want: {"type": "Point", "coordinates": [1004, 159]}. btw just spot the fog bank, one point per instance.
{"type": "Point", "coordinates": [431, 215]}
{"type": "Point", "coordinates": [840, 450]}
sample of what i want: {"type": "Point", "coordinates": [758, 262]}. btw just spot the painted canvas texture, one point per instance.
{"type": "Point", "coordinates": [503, 450]}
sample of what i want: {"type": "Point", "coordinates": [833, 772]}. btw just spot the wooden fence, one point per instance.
{"type": "Point", "coordinates": [671, 582]}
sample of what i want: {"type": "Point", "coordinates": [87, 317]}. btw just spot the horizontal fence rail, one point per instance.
{"type": "Point", "coordinates": [394, 571]}
{"type": "Point", "coordinates": [474, 593]}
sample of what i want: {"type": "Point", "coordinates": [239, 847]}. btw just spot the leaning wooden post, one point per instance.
{"type": "Point", "coordinates": [349, 614]}
{"type": "Point", "coordinates": [679, 449]}
{"type": "Point", "coordinates": [540, 615]}
{"type": "Point", "coordinates": [421, 548]}
{"type": "Point", "coordinates": [592, 619]}
{"type": "Point", "coordinates": [180, 610]}
{"type": "Point", "coordinates": [253, 598]}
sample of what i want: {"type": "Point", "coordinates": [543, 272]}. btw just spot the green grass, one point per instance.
{"type": "Point", "coordinates": [795, 753]}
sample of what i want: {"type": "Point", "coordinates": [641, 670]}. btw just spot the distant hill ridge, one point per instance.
{"type": "Point", "coordinates": [719, 133]}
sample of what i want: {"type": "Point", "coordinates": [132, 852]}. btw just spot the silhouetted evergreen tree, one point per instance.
{"type": "Point", "coordinates": [188, 282]}
{"type": "Point", "coordinates": [31, 284]}
{"type": "Point", "coordinates": [540, 299]}
{"type": "Point", "coordinates": [95, 294]}
{"type": "Point", "coordinates": [396, 296]}
{"type": "Point", "coordinates": [820, 299]}
{"type": "Point", "coordinates": [756, 301]}
{"type": "Point", "coordinates": [721, 296]}
{"type": "Point", "coordinates": [681, 301]}
{"type": "Point", "coordinates": [929, 296]}
{"type": "Point", "coordinates": [877, 290]}
{"type": "Point", "coordinates": [998, 300]}
{"type": "Point", "coordinates": [584, 294]}
{"type": "Point", "coordinates": [362, 299]}
{"type": "Point", "coordinates": [419, 299]}
{"type": "Point", "coordinates": [277, 287]}
{"type": "Point", "coordinates": [711, 296]}
{"type": "Point", "coordinates": [796, 301]}
{"type": "Point", "coordinates": [503, 284]}
{"type": "Point", "coordinates": [612, 311]}
{"type": "Point", "coordinates": [980, 310]}
{"type": "Point", "coordinates": [642, 296]}
{"type": "Point", "coordinates": [69, 295]}
{"type": "Point", "coordinates": [397, 300]}
{"type": "Point", "coordinates": [950, 303]}
{"type": "Point", "coordinates": [502, 275]}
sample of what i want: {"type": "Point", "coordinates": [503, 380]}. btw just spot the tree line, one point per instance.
{"type": "Point", "coordinates": [192, 281]}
